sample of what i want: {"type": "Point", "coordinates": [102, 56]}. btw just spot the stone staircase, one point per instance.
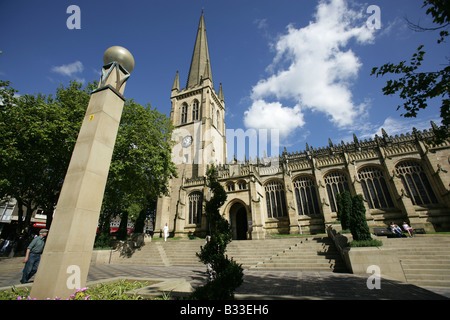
{"type": "Point", "coordinates": [159, 253]}
{"type": "Point", "coordinates": [309, 254]}
{"type": "Point", "coordinates": [252, 253]}
{"type": "Point", "coordinates": [297, 254]}
{"type": "Point", "coordinates": [425, 259]}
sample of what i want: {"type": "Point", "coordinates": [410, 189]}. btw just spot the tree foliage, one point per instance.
{"type": "Point", "coordinates": [344, 203]}
{"type": "Point", "coordinates": [357, 220]}
{"type": "Point", "coordinates": [228, 274]}
{"type": "Point", "coordinates": [417, 88]}
{"type": "Point", "coordinates": [38, 134]}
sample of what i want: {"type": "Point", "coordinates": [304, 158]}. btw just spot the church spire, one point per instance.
{"type": "Point", "coordinates": [200, 63]}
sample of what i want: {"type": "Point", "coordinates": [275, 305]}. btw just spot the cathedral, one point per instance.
{"type": "Point", "coordinates": [402, 178]}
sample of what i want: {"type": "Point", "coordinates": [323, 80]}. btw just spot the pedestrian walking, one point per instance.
{"type": "Point", "coordinates": [166, 232]}
{"type": "Point", "coordinates": [33, 255]}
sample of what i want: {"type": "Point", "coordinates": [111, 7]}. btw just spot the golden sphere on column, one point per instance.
{"type": "Point", "coordinates": [120, 55]}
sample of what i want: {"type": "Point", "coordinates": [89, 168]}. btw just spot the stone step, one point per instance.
{"type": "Point", "coordinates": [312, 253]}
{"type": "Point", "coordinates": [298, 264]}
{"type": "Point", "coordinates": [297, 253]}
{"type": "Point", "coordinates": [433, 250]}
{"type": "Point", "coordinates": [254, 251]}
{"type": "Point", "coordinates": [311, 256]}
{"type": "Point", "coordinates": [414, 241]}
{"type": "Point", "coordinates": [431, 274]}
{"type": "Point", "coordinates": [426, 277]}
{"type": "Point", "coordinates": [424, 257]}
{"type": "Point", "coordinates": [431, 283]}
{"type": "Point", "coordinates": [187, 264]}
{"type": "Point", "coordinates": [298, 268]}
{"type": "Point", "coordinates": [299, 261]}
{"type": "Point", "coordinates": [427, 265]}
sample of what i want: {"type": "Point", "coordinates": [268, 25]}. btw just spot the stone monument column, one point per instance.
{"type": "Point", "coordinates": [67, 254]}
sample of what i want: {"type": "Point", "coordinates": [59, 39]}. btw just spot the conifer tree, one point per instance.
{"type": "Point", "coordinates": [228, 274]}
{"type": "Point", "coordinates": [344, 202]}
{"type": "Point", "coordinates": [358, 223]}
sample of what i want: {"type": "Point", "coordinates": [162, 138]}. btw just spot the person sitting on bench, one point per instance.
{"type": "Point", "coordinates": [396, 229]}
{"type": "Point", "coordinates": [410, 230]}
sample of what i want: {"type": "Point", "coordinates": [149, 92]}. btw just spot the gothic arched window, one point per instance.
{"type": "Point", "coordinates": [306, 196]}
{"type": "Point", "coordinates": [375, 188]}
{"type": "Point", "coordinates": [336, 183]}
{"type": "Point", "coordinates": [195, 207]}
{"type": "Point", "coordinates": [195, 111]}
{"type": "Point", "coordinates": [230, 186]}
{"type": "Point", "coordinates": [415, 182]}
{"type": "Point", "coordinates": [242, 185]}
{"type": "Point", "coordinates": [275, 199]}
{"type": "Point", "coordinates": [218, 120]}
{"type": "Point", "coordinates": [184, 112]}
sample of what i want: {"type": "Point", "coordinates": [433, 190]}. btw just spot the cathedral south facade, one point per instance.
{"type": "Point", "coordinates": [402, 178]}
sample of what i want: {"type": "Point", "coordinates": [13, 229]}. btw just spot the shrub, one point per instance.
{"type": "Point", "coordinates": [102, 240]}
{"type": "Point", "coordinates": [15, 294]}
{"type": "Point", "coordinates": [104, 291]}
{"type": "Point", "coordinates": [344, 203]}
{"type": "Point", "coordinates": [358, 223]}
{"type": "Point", "coordinates": [109, 291]}
{"type": "Point", "coordinates": [366, 243]}
{"type": "Point", "coordinates": [228, 274]}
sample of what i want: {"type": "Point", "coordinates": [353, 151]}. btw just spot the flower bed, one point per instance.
{"type": "Point", "coordinates": [104, 291]}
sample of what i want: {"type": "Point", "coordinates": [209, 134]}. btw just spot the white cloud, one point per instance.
{"type": "Point", "coordinates": [69, 69]}
{"type": "Point", "coordinates": [398, 27]}
{"type": "Point", "coordinates": [392, 125]}
{"type": "Point", "coordinates": [261, 23]}
{"type": "Point", "coordinates": [402, 125]}
{"type": "Point", "coordinates": [263, 115]}
{"type": "Point", "coordinates": [314, 70]}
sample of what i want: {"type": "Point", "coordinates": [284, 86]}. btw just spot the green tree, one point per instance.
{"type": "Point", "coordinates": [344, 203]}
{"type": "Point", "coordinates": [357, 220]}
{"type": "Point", "coordinates": [68, 107]}
{"type": "Point", "coordinates": [148, 213]}
{"type": "Point", "coordinates": [38, 135]}
{"type": "Point", "coordinates": [417, 88]}
{"type": "Point", "coordinates": [228, 274]}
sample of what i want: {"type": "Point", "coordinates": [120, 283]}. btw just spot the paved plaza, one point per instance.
{"type": "Point", "coordinates": [260, 285]}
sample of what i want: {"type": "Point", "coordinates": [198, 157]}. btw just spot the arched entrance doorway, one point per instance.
{"type": "Point", "coordinates": [238, 218]}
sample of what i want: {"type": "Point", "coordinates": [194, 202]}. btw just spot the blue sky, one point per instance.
{"type": "Point", "coordinates": [302, 67]}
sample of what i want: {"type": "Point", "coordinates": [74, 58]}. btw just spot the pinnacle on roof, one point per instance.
{"type": "Point", "coordinates": [176, 83]}
{"type": "Point", "coordinates": [221, 98]}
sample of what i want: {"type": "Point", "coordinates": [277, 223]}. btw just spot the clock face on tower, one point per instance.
{"type": "Point", "coordinates": [186, 142]}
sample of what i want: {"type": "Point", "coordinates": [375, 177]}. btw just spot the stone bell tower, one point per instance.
{"type": "Point", "coordinates": [198, 114]}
